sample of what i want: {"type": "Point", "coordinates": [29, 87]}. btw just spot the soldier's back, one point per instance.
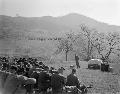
{"type": "Point", "coordinates": [11, 84]}
{"type": "Point", "coordinates": [57, 81]}
{"type": "Point", "coordinates": [44, 80]}
{"type": "Point", "coordinates": [72, 80]}
{"type": "Point", "coordinates": [3, 76]}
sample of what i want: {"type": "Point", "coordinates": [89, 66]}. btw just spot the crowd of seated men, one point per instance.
{"type": "Point", "coordinates": [28, 76]}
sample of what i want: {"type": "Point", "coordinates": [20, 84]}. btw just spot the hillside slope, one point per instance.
{"type": "Point", "coordinates": [14, 31]}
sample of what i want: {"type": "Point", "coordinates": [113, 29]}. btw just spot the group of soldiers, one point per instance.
{"type": "Point", "coordinates": [33, 77]}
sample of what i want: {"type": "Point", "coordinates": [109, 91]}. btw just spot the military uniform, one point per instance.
{"type": "Point", "coordinates": [44, 81]}
{"type": "Point", "coordinates": [14, 82]}
{"type": "Point", "coordinates": [57, 83]}
{"type": "Point", "coordinates": [3, 76]}
{"type": "Point", "coordinates": [72, 80]}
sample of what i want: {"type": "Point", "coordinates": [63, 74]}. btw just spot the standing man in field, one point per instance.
{"type": "Point", "coordinates": [77, 61]}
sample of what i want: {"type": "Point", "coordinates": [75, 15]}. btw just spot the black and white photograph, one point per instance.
{"type": "Point", "coordinates": [59, 46]}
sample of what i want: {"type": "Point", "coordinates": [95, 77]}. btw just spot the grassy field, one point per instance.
{"type": "Point", "coordinates": [103, 82]}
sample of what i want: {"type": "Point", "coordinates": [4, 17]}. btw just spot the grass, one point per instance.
{"type": "Point", "coordinates": [103, 82]}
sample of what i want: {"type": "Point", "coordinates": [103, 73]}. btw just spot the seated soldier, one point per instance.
{"type": "Point", "coordinates": [57, 82]}
{"type": "Point", "coordinates": [13, 82]}
{"type": "Point", "coordinates": [72, 67]}
{"type": "Point", "coordinates": [3, 76]}
{"type": "Point", "coordinates": [44, 80]}
{"type": "Point", "coordinates": [20, 70]}
{"type": "Point", "coordinates": [5, 66]}
{"type": "Point", "coordinates": [29, 87]}
{"type": "Point", "coordinates": [72, 79]}
{"type": "Point", "coordinates": [51, 70]}
{"type": "Point", "coordinates": [35, 75]}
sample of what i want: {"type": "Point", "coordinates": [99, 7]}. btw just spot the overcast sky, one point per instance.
{"type": "Point", "coordinates": [102, 10]}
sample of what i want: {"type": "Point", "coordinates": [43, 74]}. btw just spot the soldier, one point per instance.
{"type": "Point", "coordinates": [20, 70]}
{"type": "Point", "coordinates": [72, 79]}
{"type": "Point", "coordinates": [77, 61]}
{"type": "Point", "coordinates": [3, 76]}
{"type": "Point", "coordinates": [5, 66]}
{"type": "Point", "coordinates": [51, 70]}
{"type": "Point", "coordinates": [44, 80]}
{"type": "Point", "coordinates": [57, 82]}
{"type": "Point", "coordinates": [14, 82]}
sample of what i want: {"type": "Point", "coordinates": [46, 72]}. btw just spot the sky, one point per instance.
{"type": "Point", "coordinates": [107, 11]}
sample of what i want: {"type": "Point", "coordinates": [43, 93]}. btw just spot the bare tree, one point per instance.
{"type": "Point", "coordinates": [64, 45]}
{"type": "Point", "coordinates": [83, 41]}
{"type": "Point", "coordinates": [107, 44]}
{"type": "Point", "coordinates": [87, 36]}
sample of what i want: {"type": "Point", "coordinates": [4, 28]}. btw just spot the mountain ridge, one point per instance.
{"type": "Point", "coordinates": [14, 28]}
{"type": "Point", "coordinates": [53, 26]}
{"type": "Point", "coordinates": [69, 14]}
{"type": "Point", "coordinates": [76, 17]}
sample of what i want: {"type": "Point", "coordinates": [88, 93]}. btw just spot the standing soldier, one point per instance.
{"type": "Point", "coordinates": [77, 61]}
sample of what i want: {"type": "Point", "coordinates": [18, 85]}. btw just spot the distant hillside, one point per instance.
{"type": "Point", "coordinates": [51, 26]}
{"type": "Point", "coordinates": [15, 30]}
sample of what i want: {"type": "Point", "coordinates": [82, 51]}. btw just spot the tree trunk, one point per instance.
{"type": "Point", "coordinates": [66, 55]}
{"type": "Point", "coordinates": [88, 53]}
